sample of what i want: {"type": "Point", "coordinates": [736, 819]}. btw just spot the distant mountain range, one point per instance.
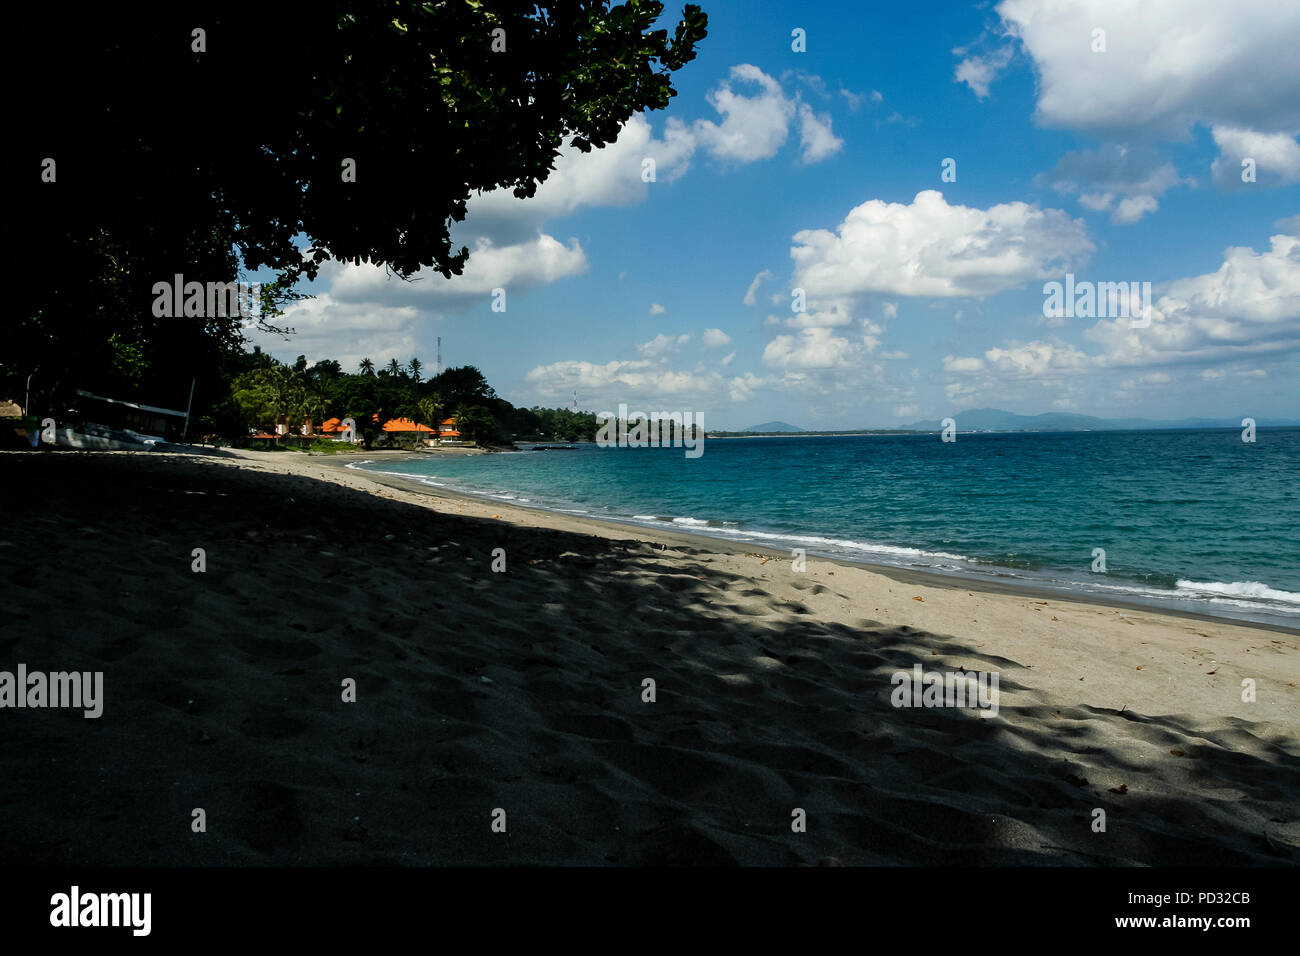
{"type": "Point", "coordinates": [773, 427]}
{"type": "Point", "coordinates": [994, 419]}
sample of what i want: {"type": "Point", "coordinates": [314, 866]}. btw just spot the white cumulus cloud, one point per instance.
{"type": "Point", "coordinates": [757, 115]}
{"type": "Point", "coordinates": [753, 127]}
{"type": "Point", "coordinates": [1247, 310]}
{"type": "Point", "coordinates": [1276, 156]}
{"type": "Point", "coordinates": [515, 267]}
{"type": "Point", "coordinates": [1168, 64]}
{"type": "Point", "coordinates": [611, 176]}
{"type": "Point", "coordinates": [815, 135]}
{"type": "Point", "coordinates": [813, 348]}
{"type": "Point", "coordinates": [663, 345]}
{"type": "Point", "coordinates": [979, 71]}
{"type": "Point", "coordinates": [931, 248]}
{"type": "Point", "coordinates": [1249, 306]}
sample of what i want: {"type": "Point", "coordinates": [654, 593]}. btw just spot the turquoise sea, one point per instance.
{"type": "Point", "coordinates": [1193, 519]}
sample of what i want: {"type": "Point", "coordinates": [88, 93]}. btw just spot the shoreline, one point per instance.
{"type": "Point", "coordinates": [955, 580]}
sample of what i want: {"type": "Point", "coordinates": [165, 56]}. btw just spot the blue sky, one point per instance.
{"type": "Point", "coordinates": [822, 170]}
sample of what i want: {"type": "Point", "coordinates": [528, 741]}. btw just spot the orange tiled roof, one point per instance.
{"type": "Point", "coordinates": [404, 425]}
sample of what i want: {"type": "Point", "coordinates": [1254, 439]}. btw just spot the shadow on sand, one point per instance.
{"type": "Point", "coordinates": [522, 691]}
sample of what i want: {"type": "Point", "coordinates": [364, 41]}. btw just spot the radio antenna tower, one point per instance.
{"type": "Point", "coordinates": [575, 399]}
{"type": "Point", "coordinates": [438, 359]}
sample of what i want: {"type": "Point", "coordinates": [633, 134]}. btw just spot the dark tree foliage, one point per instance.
{"type": "Point", "coordinates": [170, 160]}
{"type": "Point", "coordinates": [562, 424]}
{"type": "Point", "coordinates": [465, 385]}
{"type": "Point", "coordinates": [475, 423]}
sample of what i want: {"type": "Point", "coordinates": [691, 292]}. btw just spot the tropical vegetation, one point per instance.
{"type": "Point", "coordinates": [271, 392]}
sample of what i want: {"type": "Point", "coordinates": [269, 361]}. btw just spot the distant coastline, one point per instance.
{"type": "Point", "coordinates": [997, 420]}
{"type": "Point", "coordinates": [855, 433]}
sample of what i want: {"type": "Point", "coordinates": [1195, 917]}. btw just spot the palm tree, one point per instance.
{"type": "Point", "coordinates": [313, 407]}
{"type": "Point", "coordinates": [367, 367]}
{"type": "Point", "coordinates": [275, 392]}
{"type": "Point", "coordinates": [430, 408]}
{"type": "Point", "coordinates": [394, 368]}
{"type": "Point", "coordinates": [415, 370]}
{"type": "Point", "coordinates": [289, 388]}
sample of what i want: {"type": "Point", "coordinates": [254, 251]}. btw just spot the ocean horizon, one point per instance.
{"type": "Point", "coordinates": [1181, 519]}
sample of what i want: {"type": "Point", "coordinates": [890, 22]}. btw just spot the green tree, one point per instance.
{"type": "Point", "coordinates": [430, 407]}
{"type": "Point", "coordinates": [326, 369]}
{"type": "Point", "coordinates": [313, 407]}
{"type": "Point", "coordinates": [358, 397]}
{"type": "Point", "coordinates": [367, 367]}
{"type": "Point", "coordinates": [266, 395]}
{"type": "Point", "coordinates": [464, 385]}
{"type": "Point", "coordinates": [475, 423]}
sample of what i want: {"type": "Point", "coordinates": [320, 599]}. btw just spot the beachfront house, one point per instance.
{"type": "Point", "coordinates": [332, 428]}
{"type": "Point", "coordinates": [404, 430]}
{"type": "Point", "coordinates": [448, 434]}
